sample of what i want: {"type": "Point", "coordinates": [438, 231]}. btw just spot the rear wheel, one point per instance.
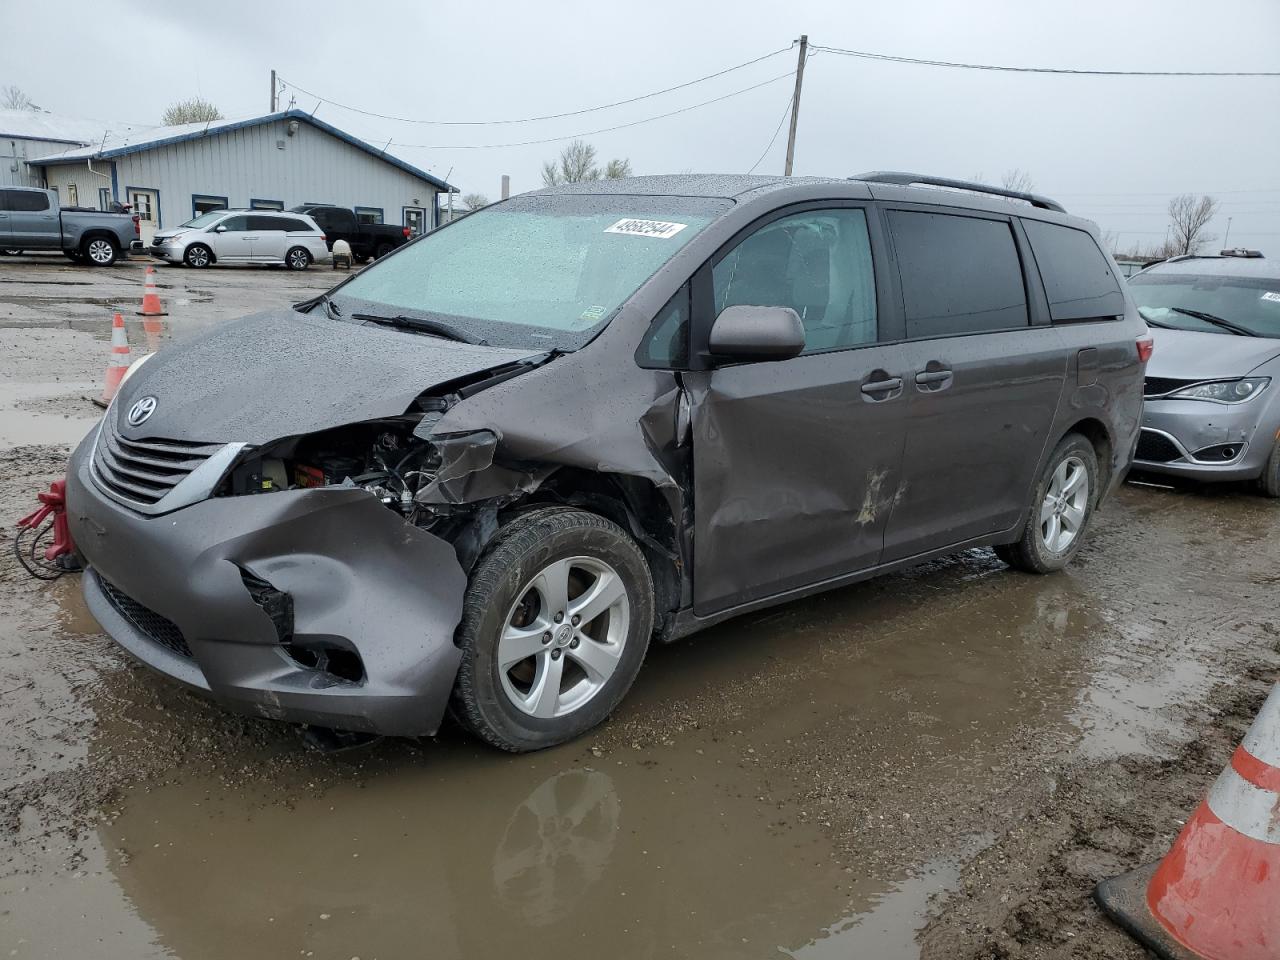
{"type": "Point", "coordinates": [297, 258]}
{"type": "Point", "coordinates": [383, 250]}
{"type": "Point", "coordinates": [1269, 481]}
{"type": "Point", "coordinates": [555, 625]}
{"type": "Point", "coordinates": [98, 252]}
{"type": "Point", "coordinates": [1061, 507]}
{"type": "Point", "coordinates": [197, 255]}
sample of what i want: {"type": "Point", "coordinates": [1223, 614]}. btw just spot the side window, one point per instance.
{"type": "Point", "coordinates": [819, 264]}
{"type": "Point", "coordinates": [264, 223]}
{"type": "Point", "coordinates": [959, 274]}
{"type": "Point", "coordinates": [5, 201]}
{"type": "Point", "coordinates": [666, 345]}
{"type": "Point", "coordinates": [29, 201]}
{"type": "Point", "coordinates": [1078, 281]}
{"type": "Point", "coordinates": [293, 225]}
{"type": "Point", "coordinates": [235, 224]}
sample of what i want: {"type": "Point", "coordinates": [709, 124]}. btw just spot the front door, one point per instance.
{"type": "Point", "coordinates": [796, 462]}
{"type": "Point", "coordinates": [415, 219]}
{"type": "Point", "coordinates": [144, 204]}
{"type": "Point", "coordinates": [233, 240]}
{"type": "Point", "coordinates": [31, 219]}
{"type": "Point", "coordinates": [982, 382]}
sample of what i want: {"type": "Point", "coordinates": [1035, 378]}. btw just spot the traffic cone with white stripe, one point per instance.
{"type": "Point", "coordinates": [118, 362]}
{"type": "Point", "coordinates": [1216, 895]}
{"type": "Point", "coordinates": [151, 305]}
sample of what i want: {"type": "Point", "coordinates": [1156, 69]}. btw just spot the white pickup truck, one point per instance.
{"type": "Point", "coordinates": [31, 219]}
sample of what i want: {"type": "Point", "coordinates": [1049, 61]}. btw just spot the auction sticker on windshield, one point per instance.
{"type": "Point", "coordinates": [660, 229]}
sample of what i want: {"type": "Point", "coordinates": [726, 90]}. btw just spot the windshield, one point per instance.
{"type": "Point", "coordinates": [1249, 302]}
{"type": "Point", "coordinates": [541, 271]}
{"type": "Point", "coordinates": [205, 218]}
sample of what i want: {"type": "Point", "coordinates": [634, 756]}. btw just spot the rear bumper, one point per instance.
{"type": "Point", "coordinates": [358, 576]}
{"type": "Point", "coordinates": [1185, 438]}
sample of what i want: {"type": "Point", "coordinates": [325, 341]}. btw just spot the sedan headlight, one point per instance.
{"type": "Point", "coordinates": [1224, 391]}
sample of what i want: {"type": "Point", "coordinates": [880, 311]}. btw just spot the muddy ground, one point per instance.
{"type": "Point", "coordinates": [938, 764]}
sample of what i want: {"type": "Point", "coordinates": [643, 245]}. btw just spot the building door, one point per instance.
{"type": "Point", "coordinates": [415, 218]}
{"type": "Point", "coordinates": [146, 205]}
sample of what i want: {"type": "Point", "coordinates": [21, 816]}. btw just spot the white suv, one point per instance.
{"type": "Point", "coordinates": [243, 236]}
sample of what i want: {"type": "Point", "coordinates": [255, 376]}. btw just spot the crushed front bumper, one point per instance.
{"type": "Point", "coordinates": [1207, 441]}
{"type": "Point", "coordinates": [172, 590]}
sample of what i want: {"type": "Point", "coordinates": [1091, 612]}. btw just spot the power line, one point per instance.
{"type": "Point", "coordinates": [772, 140]}
{"type": "Point", "coordinates": [592, 133]}
{"type": "Point", "coordinates": [549, 116]}
{"type": "Point", "coordinates": [867, 55]}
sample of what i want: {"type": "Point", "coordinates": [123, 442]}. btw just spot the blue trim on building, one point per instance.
{"type": "Point", "coordinates": [211, 130]}
{"type": "Point", "coordinates": [159, 215]}
{"type": "Point", "coordinates": [226, 202]}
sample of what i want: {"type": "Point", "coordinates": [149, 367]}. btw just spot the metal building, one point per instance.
{"type": "Point", "coordinates": [26, 135]}
{"type": "Point", "coordinates": [170, 174]}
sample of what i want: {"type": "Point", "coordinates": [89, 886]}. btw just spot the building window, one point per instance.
{"type": "Point", "coordinates": [203, 203]}
{"type": "Point", "coordinates": [415, 218]}
{"type": "Point", "coordinates": [73, 195]}
{"type": "Point", "coordinates": [369, 214]}
{"type": "Point", "coordinates": [266, 204]}
{"type": "Point", "coordinates": [104, 198]}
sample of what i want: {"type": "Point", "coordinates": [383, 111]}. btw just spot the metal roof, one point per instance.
{"type": "Point", "coordinates": [53, 128]}
{"type": "Point", "coordinates": [139, 141]}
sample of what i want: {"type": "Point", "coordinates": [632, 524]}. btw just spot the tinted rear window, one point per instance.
{"type": "Point", "coordinates": [277, 223]}
{"type": "Point", "coordinates": [25, 200]}
{"type": "Point", "coordinates": [1077, 275]}
{"type": "Point", "coordinates": [959, 274]}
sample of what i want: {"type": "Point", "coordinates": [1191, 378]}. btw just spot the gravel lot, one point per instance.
{"type": "Point", "coordinates": [937, 764]}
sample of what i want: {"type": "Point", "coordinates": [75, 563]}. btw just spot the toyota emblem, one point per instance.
{"type": "Point", "coordinates": [141, 411]}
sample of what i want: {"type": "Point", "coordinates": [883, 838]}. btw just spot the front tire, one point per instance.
{"type": "Point", "coordinates": [1061, 507]}
{"type": "Point", "coordinates": [555, 625]}
{"type": "Point", "coordinates": [197, 255]}
{"type": "Point", "coordinates": [98, 252]}
{"type": "Point", "coordinates": [297, 258]}
{"type": "Point", "coordinates": [1269, 481]}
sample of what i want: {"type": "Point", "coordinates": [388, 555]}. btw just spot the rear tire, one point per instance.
{"type": "Point", "coordinates": [297, 258]}
{"type": "Point", "coordinates": [382, 251]}
{"type": "Point", "coordinates": [591, 566]}
{"type": "Point", "coordinates": [197, 255]}
{"type": "Point", "coordinates": [1059, 512]}
{"type": "Point", "coordinates": [1269, 481]}
{"type": "Point", "coordinates": [98, 252]}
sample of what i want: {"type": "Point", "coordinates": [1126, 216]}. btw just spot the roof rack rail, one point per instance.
{"type": "Point", "coordinates": [912, 179]}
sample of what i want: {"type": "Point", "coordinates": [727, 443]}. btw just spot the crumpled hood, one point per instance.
{"type": "Point", "coordinates": [1191, 355]}
{"type": "Point", "coordinates": [280, 374]}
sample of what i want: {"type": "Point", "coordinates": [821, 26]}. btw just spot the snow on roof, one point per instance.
{"type": "Point", "coordinates": [42, 125]}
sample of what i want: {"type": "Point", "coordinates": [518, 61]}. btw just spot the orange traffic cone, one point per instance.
{"type": "Point", "coordinates": [154, 329]}
{"type": "Point", "coordinates": [118, 362]}
{"type": "Point", "coordinates": [1216, 895]}
{"type": "Point", "coordinates": [151, 305]}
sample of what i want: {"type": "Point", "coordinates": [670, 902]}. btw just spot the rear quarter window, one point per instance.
{"type": "Point", "coordinates": [26, 200]}
{"type": "Point", "coordinates": [959, 274]}
{"type": "Point", "coordinates": [1078, 279]}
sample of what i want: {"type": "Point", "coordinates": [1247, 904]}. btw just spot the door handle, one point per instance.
{"type": "Point", "coordinates": [888, 387]}
{"type": "Point", "coordinates": [933, 376]}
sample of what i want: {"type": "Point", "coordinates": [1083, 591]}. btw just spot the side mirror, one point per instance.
{"type": "Point", "coordinates": [220, 228]}
{"type": "Point", "coordinates": [757, 333]}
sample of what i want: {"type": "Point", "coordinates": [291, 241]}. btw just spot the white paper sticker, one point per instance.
{"type": "Point", "coordinates": [659, 229]}
{"type": "Point", "coordinates": [1273, 297]}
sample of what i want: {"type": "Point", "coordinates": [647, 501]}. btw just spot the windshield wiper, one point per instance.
{"type": "Point", "coordinates": [1156, 323]}
{"type": "Point", "coordinates": [436, 328]}
{"type": "Point", "coordinates": [1217, 321]}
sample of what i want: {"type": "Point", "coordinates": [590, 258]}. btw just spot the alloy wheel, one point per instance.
{"type": "Point", "coordinates": [1065, 504]}
{"type": "Point", "coordinates": [100, 251]}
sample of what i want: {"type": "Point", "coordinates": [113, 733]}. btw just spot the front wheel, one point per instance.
{"type": "Point", "coordinates": [297, 258]}
{"type": "Point", "coordinates": [555, 625]}
{"type": "Point", "coordinates": [197, 255]}
{"type": "Point", "coordinates": [1269, 481]}
{"type": "Point", "coordinates": [1061, 506]}
{"type": "Point", "coordinates": [98, 252]}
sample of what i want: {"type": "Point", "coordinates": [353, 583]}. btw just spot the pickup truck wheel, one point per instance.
{"type": "Point", "coordinates": [383, 250]}
{"type": "Point", "coordinates": [297, 258]}
{"type": "Point", "coordinates": [360, 257]}
{"type": "Point", "coordinates": [197, 255]}
{"type": "Point", "coordinates": [99, 252]}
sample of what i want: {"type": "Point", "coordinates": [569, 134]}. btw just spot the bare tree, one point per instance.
{"type": "Point", "coordinates": [15, 98]}
{"type": "Point", "coordinates": [1188, 216]}
{"type": "Point", "coordinates": [474, 201]}
{"type": "Point", "coordinates": [195, 110]}
{"type": "Point", "coordinates": [577, 164]}
{"type": "Point", "coordinates": [617, 169]}
{"type": "Point", "coordinates": [1017, 180]}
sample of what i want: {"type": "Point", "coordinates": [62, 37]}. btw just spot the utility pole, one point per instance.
{"type": "Point", "coordinates": [1225, 245]}
{"type": "Point", "coordinates": [506, 186]}
{"type": "Point", "coordinates": [274, 102]}
{"type": "Point", "coordinates": [795, 104]}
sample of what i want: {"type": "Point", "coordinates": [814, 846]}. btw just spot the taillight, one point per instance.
{"type": "Point", "coordinates": [137, 226]}
{"type": "Point", "coordinates": [406, 232]}
{"type": "Point", "coordinates": [324, 238]}
{"type": "Point", "coordinates": [1145, 346]}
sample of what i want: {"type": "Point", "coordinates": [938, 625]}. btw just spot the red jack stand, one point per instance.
{"type": "Point", "coordinates": [58, 557]}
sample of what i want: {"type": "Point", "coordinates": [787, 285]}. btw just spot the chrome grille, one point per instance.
{"type": "Point", "coordinates": [143, 471]}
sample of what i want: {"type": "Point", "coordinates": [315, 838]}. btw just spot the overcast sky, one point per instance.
{"type": "Point", "coordinates": [1112, 149]}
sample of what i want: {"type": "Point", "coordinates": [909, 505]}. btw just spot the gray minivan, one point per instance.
{"type": "Point", "coordinates": [486, 471]}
